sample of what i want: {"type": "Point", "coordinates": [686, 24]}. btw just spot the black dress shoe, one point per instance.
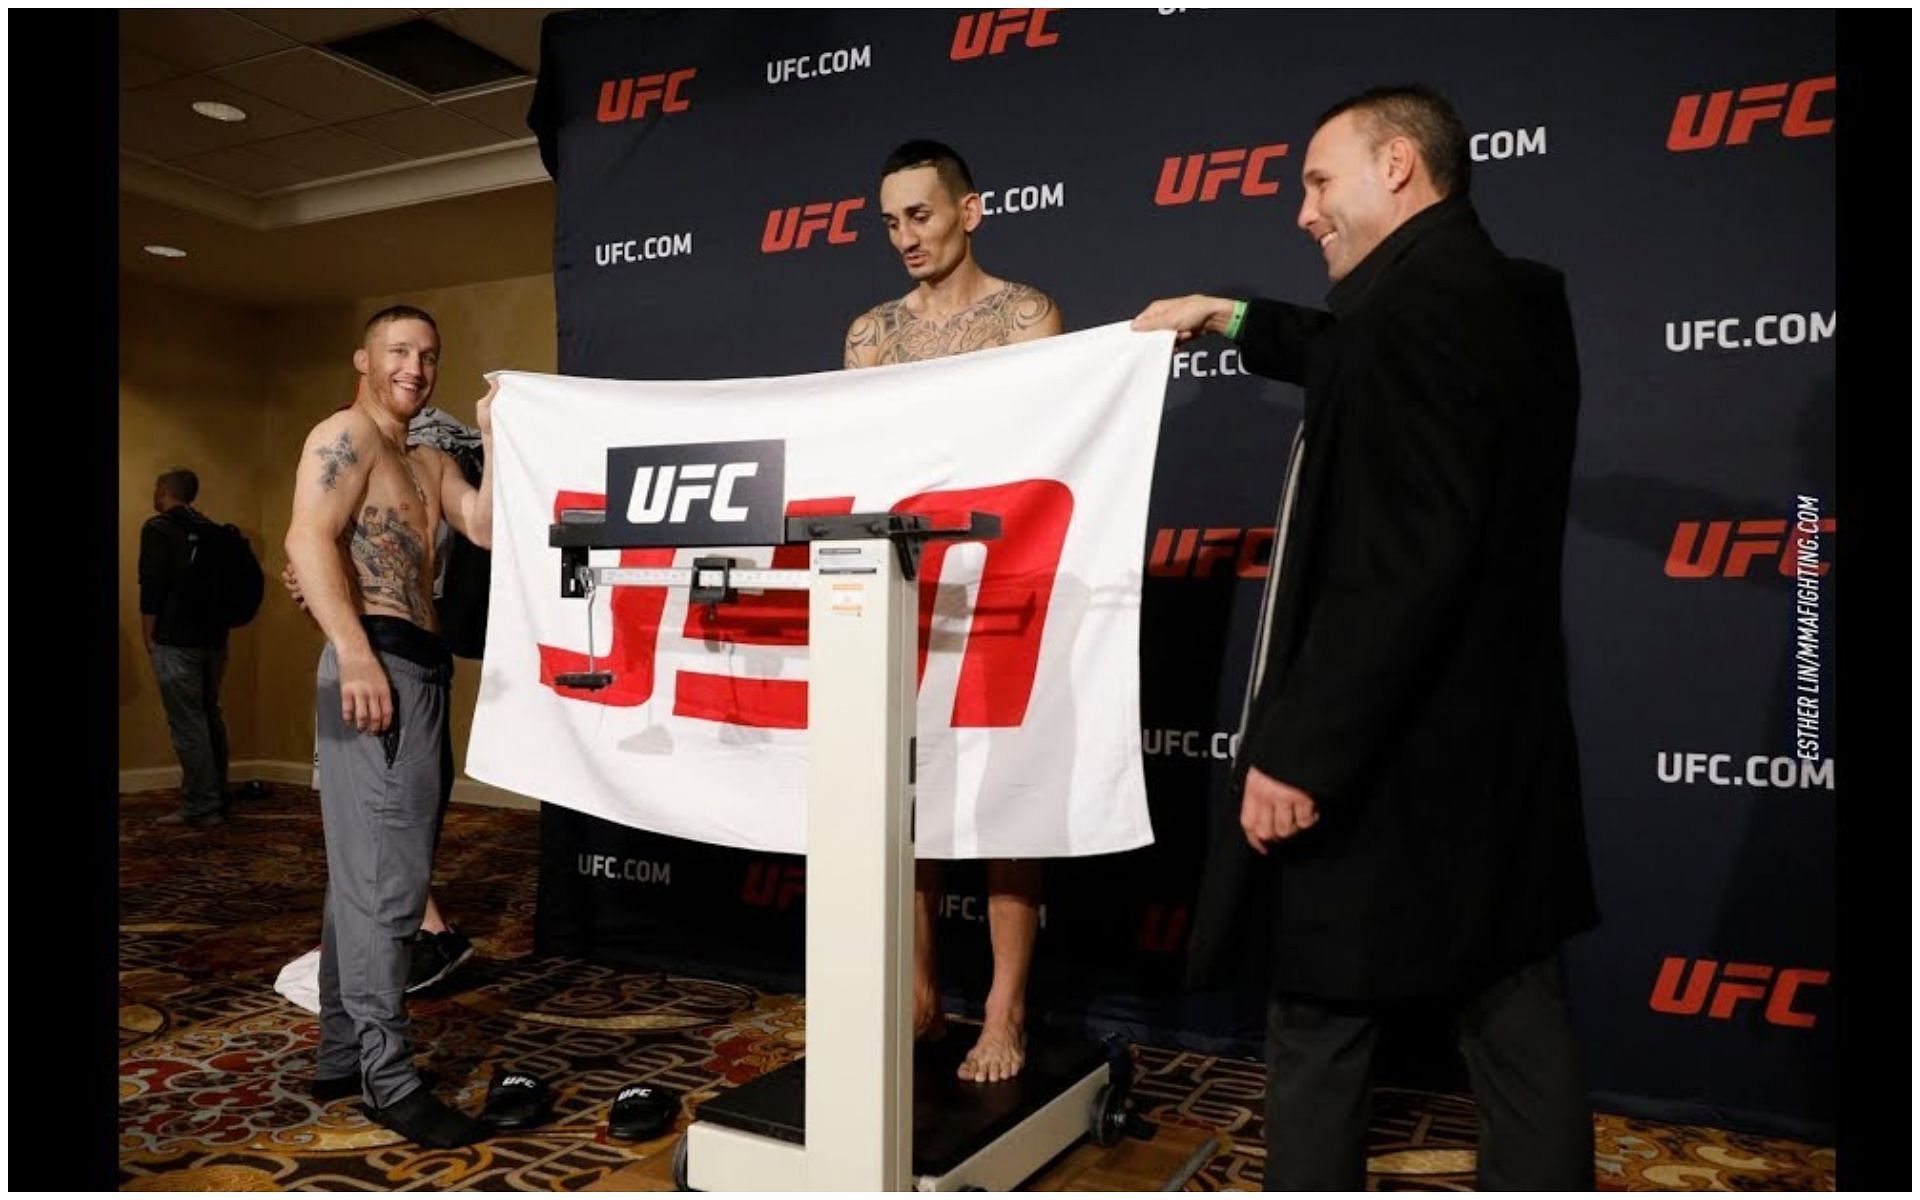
{"type": "Point", "coordinates": [422, 1119]}
{"type": "Point", "coordinates": [341, 1086]}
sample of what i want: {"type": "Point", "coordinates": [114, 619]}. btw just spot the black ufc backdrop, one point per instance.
{"type": "Point", "coordinates": [718, 218]}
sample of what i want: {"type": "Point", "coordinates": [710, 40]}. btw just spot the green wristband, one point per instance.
{"type": "Point", "coordinates": [1239, 315]}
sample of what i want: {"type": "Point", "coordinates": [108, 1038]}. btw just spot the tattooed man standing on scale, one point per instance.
{"type": "Point", "coordinates": [365, 507]}
{"type": "Point", "coordinates": [931, 210]}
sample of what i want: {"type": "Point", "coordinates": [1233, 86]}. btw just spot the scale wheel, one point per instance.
{"type": "Point", "coordinates": [1107, 1122]}
{"type": "Point", "coordinates": [680, 1165]}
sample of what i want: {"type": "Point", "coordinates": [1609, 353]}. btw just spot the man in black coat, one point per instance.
{"type": "Point", "coordinates": [1407, 791]}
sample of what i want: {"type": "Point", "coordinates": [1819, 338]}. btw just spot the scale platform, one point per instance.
{"type": "Point", "coordinates": [954, 1121]}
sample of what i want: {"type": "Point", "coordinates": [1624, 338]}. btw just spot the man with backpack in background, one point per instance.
{"type": "Point", "coordinates": [198, 579]}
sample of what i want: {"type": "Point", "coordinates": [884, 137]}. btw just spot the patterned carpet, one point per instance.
{"type": "Point", "coordinates": [212, 1060]}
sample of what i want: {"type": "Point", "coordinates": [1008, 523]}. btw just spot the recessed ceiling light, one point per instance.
{"type": "Point", "coordinates": [165, 251]}
{"type": "Point", "coordinates": [218, 111]}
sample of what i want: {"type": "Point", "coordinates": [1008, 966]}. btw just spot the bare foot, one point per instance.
{"type": "Point", "coordinates": [999, 1054]}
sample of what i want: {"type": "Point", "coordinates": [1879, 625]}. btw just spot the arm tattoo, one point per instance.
{"type": "Point", "coordinates": [336, 456]}
{"type": "Point", "coordinates": [1000, 319]}
{"type": "Point", "coordinates": [865, 335]}
{"type": "Point", "coordinates": [1028, 307]}
{"type": "Point", "coordinates": [390, 557]}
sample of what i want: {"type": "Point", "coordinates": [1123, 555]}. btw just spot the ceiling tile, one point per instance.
{"type": "Point", "coordinates": [512, 33]}
{"type": "Point", "coordinates": [197, 38]}
{"type": "Point", "coordinates": [426, 132]}
{"type": "Point", "coordinates": [245, 169]}
{"type": "Point", "coordinates": [428, 58]}
{"type": "Point", "coordinates": [328, 152]}
{"type": "Point", "coordinates": [314, 25]}
{"type": "Point", "coordinates": [505, 110]}
{"type": "Point", "coordinates": [323, 88]}
{"type": "Point", "coordinates": [138, 68]}
{"type": "Point", "coordinates": [148, 130]}
{"type": "Point", "coordinates": [159, 121]}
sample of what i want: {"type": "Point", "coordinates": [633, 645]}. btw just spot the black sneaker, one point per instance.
{"type": "Point", "coordinates": [435, 956]}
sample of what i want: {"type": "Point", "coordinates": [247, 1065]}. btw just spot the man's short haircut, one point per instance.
{"type": "Point", "coordinates": [1423, 115]}
{"type": "Point", "coordinates": [924, 152]}
{"type": "Point", "coordinates": [399, 312]}
{"type": "Point", "coordinates": [183, 485]}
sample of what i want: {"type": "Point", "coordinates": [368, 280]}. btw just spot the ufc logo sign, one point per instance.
{"type": "Point", "coordinates": [1709, 549]}
{"type": "Point", "coordinates": [1698, 126]}
{"type": "Point", "coordinates": [774, 885]}
{"type": "Point", "coordinates": [628, 99]}
{"type": "Point", "coordinates": [998, 660]}
{"type": "Point", "coordinates": [1201, 553]}
{"type": "Point", "coordinates": [991, 31]}
{"type": "Point", "coordinates": [1682, 992]}
{"type": "Point", "coordinates": [703, 494]}
{"type": "Point", "coordinates": [651, 492]}
{"type": "Point", "coordinates": [1203, 175]}
{"type": "Point", "coordinates": [793, 228]}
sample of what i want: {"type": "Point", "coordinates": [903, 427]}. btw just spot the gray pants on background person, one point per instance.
{"type": "Point", "coordinates": [189, 681]}
{"type": "Point", "coordinates": [382, 798]}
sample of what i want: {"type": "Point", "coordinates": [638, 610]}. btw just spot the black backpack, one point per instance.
{"type": "Point", "coordinates": [224, 582]}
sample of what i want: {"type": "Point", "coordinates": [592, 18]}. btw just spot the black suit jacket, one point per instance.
{"type": "Point", "coordinates": [1415, 676]}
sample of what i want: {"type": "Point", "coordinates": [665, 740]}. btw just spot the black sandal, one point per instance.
{"type": "Point", "coordinates": [516, 1100]}
{"type": "Point", "coordinates": [642, 1112]}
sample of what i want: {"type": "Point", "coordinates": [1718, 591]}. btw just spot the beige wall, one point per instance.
{"type": "Point", "coordinates": [191, 395]}
{"type": "Point", "coordinates": [258, 406]}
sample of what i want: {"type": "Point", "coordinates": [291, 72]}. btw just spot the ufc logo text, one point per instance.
{"type": "Point", "coordinates": [1682, 992]}
{"type": "Point", "coordinates": [774, 885]}
{"type": "Point", "coordinates": [1700, 121]}
{"type": "Point", "coordinates": [991, 32]}
{"type": "Point", "coordinates": [629, 99]}
{"type": "Point", "coordinates": [793, 228]}
{"type": "Point", "coordinates": [1183, 179]}
{"type": "Point", "coordinates": [657, 497]}
{"type": "Point", "coordinates": [1710, 549]}
{"type": "Point", "coordinates": [1202, 553]}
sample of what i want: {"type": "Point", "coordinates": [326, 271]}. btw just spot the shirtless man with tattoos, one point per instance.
{"type": "Point", "coordinates": [931, 209]}
{"type": "Point", "coordinates": [365, 507]}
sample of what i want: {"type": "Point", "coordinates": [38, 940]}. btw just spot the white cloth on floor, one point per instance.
{"type": "Point", "coordinates": [299, 981]}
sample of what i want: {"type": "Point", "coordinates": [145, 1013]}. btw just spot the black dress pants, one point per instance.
{"type": "Point", "coordinates": [1536, 1123]}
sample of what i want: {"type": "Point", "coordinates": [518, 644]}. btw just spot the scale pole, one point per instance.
{"type": "Point", "coordinates": [863, 662]}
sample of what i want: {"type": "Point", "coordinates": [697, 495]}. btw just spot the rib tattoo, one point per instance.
{"type": "Point", "coordinates": [391, 557]}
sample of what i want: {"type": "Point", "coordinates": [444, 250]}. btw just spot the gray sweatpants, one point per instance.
{"type": "Point", "coordinates": [189, 679]}
{"type": "Point", "coordinates": [382, 798]}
